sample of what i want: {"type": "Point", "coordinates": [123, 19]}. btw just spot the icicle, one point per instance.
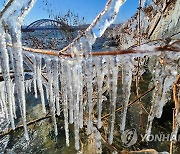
{"type": "Point", "coordinates": [6, 73]}
{"type": "Point", "coordinates": [113, 76]}
{"type": "Point", "coordinates": [2, 107]}
{"type": "Point", "coordinates": [88, 69]}
{"type": "Point", "coordinates": [47, 91]}
{"type": "Point", "coordinates": [19, 76]}
{"type": "Point", "coordinates": [126, 87]}
{"type": "Point", "coordinates": [13, 101]}
{"type": "Point", "coordinates": [39, 82]}
{"type": "Point", "coordinates": [35, 74]}
{"type": "Point", "coordinates": [99, 81]}
{"type": "Point", "coordinates": [97, 137]}
{"type": "Point", "coordinates": [81, 105]}
{"type": "Point", "coordinates": [26, 86]}
{"type": "Point", "coordinates": [13, 17]}
{"type": "Point", "coordinates": [64, 96]}
{"type": "Point", "coordinates": [169, 73]}
{"type": "Point", "coordinates": [29, 85]}
{"type": "Point", "coordinates": [70, 93]}
{"type": "Point", "coordinates": [51, 96]}
{"type": "Point", "coordinates": [56, 84]}
{"type": "Point", "coordinates": [168, 83]}
{"type": "Point", "coordinates": [76, 91]}
{"type": "Point", "coordinates": [3, 99]}
{"type": "Point", "coordinates": [8, 40]}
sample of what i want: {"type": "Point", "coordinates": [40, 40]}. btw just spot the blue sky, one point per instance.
{"type": "Point", "coordinates": [84, 8]}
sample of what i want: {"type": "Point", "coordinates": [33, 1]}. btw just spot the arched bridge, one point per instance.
{"type": "Point", "coordinates": [47, 24]}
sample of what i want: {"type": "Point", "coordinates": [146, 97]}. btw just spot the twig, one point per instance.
{"type": "Point", "coordinates": [131, 103]}
{"type": "Point", "coordinates": [21, 126]}
{"type": "Point", "coordinates": [175, 96]}
{"type": "Point", "coordinates": [139, 24]}
{"type": "Point", "coordinates": [46, 52]}
{"type": "Point", "coordinates": [158, 20]}
{"type": "Point", "coordinates": [100, 53]}
{"type": "Point", "coordinates": [109, 146]}
{"type": "Point", "coordinates": [6, 7]}
{"type": "Point", "coordinates": [176, 110]}
{"type": "Point", "coordinates": [152, 151]}
{"type": "Point", "coordinates": [173, 126]}
{"type": "Point", "coordinates": [29, 59]}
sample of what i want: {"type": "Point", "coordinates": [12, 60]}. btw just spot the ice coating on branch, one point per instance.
{"type": "Point", "coordinates": [106, 17]}
{"type": "Point", "coordinates": [145, 3]}
{"type": "Point", "coordinates": [96, 29]}
{"type": "Point", "coordinates": [127, 68]}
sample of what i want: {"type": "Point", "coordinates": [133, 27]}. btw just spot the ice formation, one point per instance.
{"type": "Point", "coordinates": [165, 74]}
{"type": "Point", "coordinates": [12, 18]}
{"type": "Point", "coordinates": [127, 69]}
{"type": "Point", "coordinates": [84, 42]}
{"type": "Point", "coordinates": [113, 77]}
{"type": "Point", "coordinates": [75, 84]}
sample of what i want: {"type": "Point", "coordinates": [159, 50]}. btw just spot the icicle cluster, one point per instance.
{"type": "Point", "coordinates": [165, 73]}
{"type": "Point", "coordinates": [12, 18]}
{"type": "Point", "coordinates": [74, 85]}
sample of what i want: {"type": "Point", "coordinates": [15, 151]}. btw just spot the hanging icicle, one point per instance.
{"type": "Point", "coordinates": [127, 68]}
{"type": "Point", "coordinates": [63, 79]}
{"type": "Point", "coordinates": [6, 73]}
{"type": "Point", "coordinates": [51, 94]}
{"type": "Point", "coordinates": [34, 74]}
{"type": "Point", "coordinates": [99, 80]}
{"type": "Point", "coordinates": [56, 88]}
{"type": "Point", "coordinates": [88, 80]}
{"type": "Point", "coordinates": [113, 76]}
{"type": "Point", "coordinates": [39, 81]}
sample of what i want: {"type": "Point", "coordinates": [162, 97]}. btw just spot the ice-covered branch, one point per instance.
{"type": "Point", "coordinates": [84, 42]}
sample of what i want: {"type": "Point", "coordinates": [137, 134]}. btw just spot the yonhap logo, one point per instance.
{"type": "Point", "coordinates": [129, 137]}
